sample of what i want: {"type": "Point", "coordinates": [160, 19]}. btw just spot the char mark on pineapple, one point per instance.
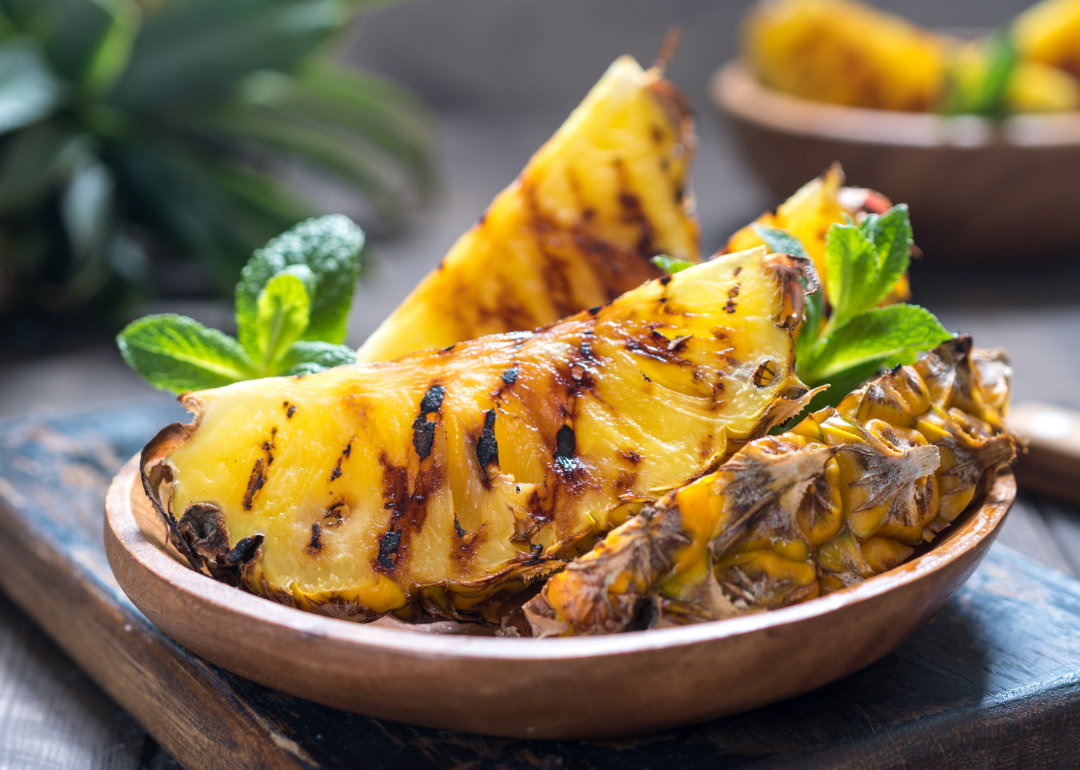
{"type": "Point", "coordinates": [487, 448]}
{"type": "Point", "coordinates": [290, 409]}
{"type": "Point", "coordinates": [316, 543]}
{"type": "Point", "coordinates": [423, 428]}
{"type": "Point", "coordinates": [565, 443]}
{"type": "Point", "coordinates": [336, 473]}
{"type": "Point", "coordinates": [255, 483]}
{"type": "Point", "coordinates": [509, 377]}
{"type": "Point", "coordinates": [461, 532]}
{"type": "Point", "coordinates": [335, 510]}
{"type": "Point", "coordinates": [388, 546]}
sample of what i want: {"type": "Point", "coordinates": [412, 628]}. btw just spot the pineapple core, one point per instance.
{"type": "Point", "coordinates": [440, 484]}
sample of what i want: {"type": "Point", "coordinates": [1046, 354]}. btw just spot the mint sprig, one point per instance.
{"type": "Point", "coordinates": [863, 262]}
{"type": "Point", "coordinates": [292, 303]}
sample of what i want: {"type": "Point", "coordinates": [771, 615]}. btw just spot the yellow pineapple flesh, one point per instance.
{"type": "Point", "coordinates": [577, 228]}
{"type": "Point", "coordinates": [846, 53]}
{"type": "Point", "coordinates": [1049, 33]}
{"type": "Point", "coordinates": [811, 211]}
{"type": "Point", "coordinates": [440, 484]}
{"type": "Point", "coordinates": [846, 495]}
{"type": "Point", "coordinates": [849, 53]}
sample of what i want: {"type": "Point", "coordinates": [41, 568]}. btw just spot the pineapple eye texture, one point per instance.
{"type": "Point", "coordinates": [441, 484]}
{"type": "Point", "coordinates": [838, 499]}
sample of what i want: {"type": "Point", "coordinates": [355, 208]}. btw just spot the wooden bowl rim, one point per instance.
{"type": "Point", "coordinates": [971, 528]}
{"type": "Point", "coordinates": [737, 92]}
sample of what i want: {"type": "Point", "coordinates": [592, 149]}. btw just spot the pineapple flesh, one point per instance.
{"type": "Point", "coordinates": [849, 53]}
{"type": "Point", "coordinates": [440, 484]}
{"type": "Point", "coordinates": [845, 52]}
{"type": "Point", "coordinates": [1049, 33]}
{"type": "Point", "coordinates": [847, 494]}
{"type": "Point", "coordinates": [577, 228]}
{"type": "Point", "coordinates": [811, 211]}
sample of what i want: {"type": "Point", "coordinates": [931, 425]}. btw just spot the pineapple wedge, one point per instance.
{"type": "Point", "coordinates": [849, 53]}
{"type": "Point", "coordinates": [440, 484]}
{"type": "Point", "coordinates": [844, 496]}
{"type": "Point", "coordinates": [608, 191]}
{"type": "Point", "coordinates": [1049, 33]}
{"type": "Point", "coordinates": [846, 53]}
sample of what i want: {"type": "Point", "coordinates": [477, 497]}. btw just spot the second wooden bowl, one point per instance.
{"type": "Point", "coordinates": [978, 189]}
{"type": "Point", "coordinates": [444, 676]}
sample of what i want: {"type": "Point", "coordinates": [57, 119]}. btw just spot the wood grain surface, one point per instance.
{"type": "Point", "coordinates": [992, 681]}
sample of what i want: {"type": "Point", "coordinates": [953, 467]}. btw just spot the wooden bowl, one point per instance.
{"type": "Point", "coordinates": [978, 189]}
{"type": "Point", "coordinates": [446, 677]}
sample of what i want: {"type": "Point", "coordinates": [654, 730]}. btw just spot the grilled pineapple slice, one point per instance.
{"type": "Point", "coordinates": [849, 53]}
{"type": "Point", "coordinates": [1049, 32]}
{"type": "Point", "coordinates": [844, 496]}
{"type": "Point", "coordinates": [845, 53]}
{"type": "Point", "coordinates": [607, 192]}
{"type": "Point", "coordinates": [438, 485]}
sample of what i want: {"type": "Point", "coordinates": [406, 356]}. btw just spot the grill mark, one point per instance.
{"type": "Point", "coordinates": [290, 409]}
{"type": "Point", "coordinates": [458, 528]}
{"type": "Point", "coordinates": [487, 448]}
{"type": "Point", "coordinates": [565, 443]}
{"type": "Point", "coordinates": [432, 400]}
{"type": "Point", "coordinates": [388, 547]}
{"type": "Point", "coordinates": [336, 473]}
{"type": "Point", "coordinates": [316, 542]}
{"type": "Point", "coordinates": [510, 375]}
{"type": "Point", "coordinates": [423, 436]}
{"type": "Point", "coordinates": [423, 428]}
{"type": "Point", "coordinates": [255, 483]}
{"type": "Point", "coordinates": [335, 510]}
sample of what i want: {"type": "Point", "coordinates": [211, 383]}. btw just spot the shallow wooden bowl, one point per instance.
{"type": "Point", "coordinates": [444, 677]}
{"type": "Point", "coordinates": [978, 189]}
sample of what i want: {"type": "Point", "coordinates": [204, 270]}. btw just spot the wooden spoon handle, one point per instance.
{"type": "Point", "coordinates": [1052, 463]}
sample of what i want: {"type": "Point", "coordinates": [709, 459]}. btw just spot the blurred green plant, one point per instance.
{"type": "Point", "coordinates": [136, 127]}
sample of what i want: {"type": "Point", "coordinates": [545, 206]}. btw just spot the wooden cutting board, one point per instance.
{"type": "Point", "coordinates": [992, 681]}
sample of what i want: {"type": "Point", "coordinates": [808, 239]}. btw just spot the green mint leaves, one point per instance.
{"type": "Point", "coordinates": [292, 303]}
{"type": "Point", "coordinates": [863, 262]}
{"type": "Point", "coordinates": [671, 265]}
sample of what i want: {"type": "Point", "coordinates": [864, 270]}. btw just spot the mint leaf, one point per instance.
{"type": "Point", "coordinates": [851, 270]}
{"type": "Point", "coordinates": [329, 247]}
{"type": "Point", "coordinates": [313, 357]}
{"type": "Point", "coordinates": [177, 353]}
{"type": "Point", "coordinates": [871, 339]}
{"type": "Point", "coordinates": [780, 241]}
{"type": "Point", "coordinates": [891, 236]}
{"type": "Point", "coordinates": [670, 265]}
{"type": "Point", "coordinates": [282, 313]}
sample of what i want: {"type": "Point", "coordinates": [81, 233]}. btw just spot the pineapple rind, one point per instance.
{"type": "Point", "coordinates": [844, 496]}
{"type": "Point", "coordinates": [577, 228]}
{"type": "Point", "coordinates": [440, 484]}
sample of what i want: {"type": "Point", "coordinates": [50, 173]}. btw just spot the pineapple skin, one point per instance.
{"type": "Point", "coordinates": [577, 228]}
{"type": "Point", "coordinates": [441, 484]}
{"type": "Point", "coordinates": [844, 496]}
